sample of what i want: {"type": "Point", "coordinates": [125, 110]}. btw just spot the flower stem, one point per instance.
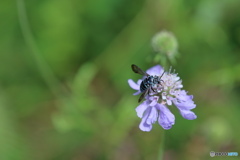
{"type": "Point", "coordinates": [161, 148]}
{"type": "Point", "coordinates": [44, 69]}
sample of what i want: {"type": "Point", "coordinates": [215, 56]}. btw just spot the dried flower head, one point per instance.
{"type": "Point", "coordinates": [168, 92]}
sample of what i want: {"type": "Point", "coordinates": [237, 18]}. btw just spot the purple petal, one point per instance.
{"type": "Point", "coordinates": [152, 118]}
{"type": "Point", "coordinates": [139, 82]}
{"type": "Point", "coordinates": [137, 93]}
{"type": "Point", "coordinates": [166, 118]}
{"type": "Point", "coordinates": [188, 105]}
{"type": "Point", "coordinates": [187, 114]}
{"type": "Point", "coordinates": [154, 100]}
{"type": "Point", "coordinates": [184, 101]}
{"type": "Point", "coordinates": [182, 95]}
{"type": "Point", "coordinates": [155, 70]}
{"type": "Point", "coordinates": [133, 85]}
{"type": "Point", "coordinates": [141, 109]}
{"type": "Point", "coordinates": [143, 125]}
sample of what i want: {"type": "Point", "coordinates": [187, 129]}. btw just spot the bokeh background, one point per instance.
{"type": "Point", "coordinates": [64, 70]}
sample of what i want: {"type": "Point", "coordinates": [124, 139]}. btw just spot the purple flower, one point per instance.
{"type": "Point", "coordinates": [155, 106]}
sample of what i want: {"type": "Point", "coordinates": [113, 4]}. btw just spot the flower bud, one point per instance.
{"type": "Point", "coordinates": [165, 44]}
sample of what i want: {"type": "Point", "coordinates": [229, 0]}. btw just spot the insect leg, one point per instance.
{"type": "Point", "coordinates": [153, 90]}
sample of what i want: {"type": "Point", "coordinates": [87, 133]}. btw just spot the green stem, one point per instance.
{"type": "Point", "coordinates": [45, 71]}
{"type": "Point", "coordinates": [161, 149]}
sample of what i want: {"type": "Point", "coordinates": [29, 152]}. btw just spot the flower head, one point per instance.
{"type": "Point", "coordinates": [159, 97]}
{"type": "Point", "coordinates": [165, 43]}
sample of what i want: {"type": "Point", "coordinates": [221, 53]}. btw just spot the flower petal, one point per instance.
{"type": "Point", "coordinates": [187, 114]}
{"type": "Point", "coordinates": [154, 100]}
{"type": "Point", "coordinates": [155, 70]}
{"type": "Point", "coordinates": [137, 93]}
{"type": "Point", "coordinates": [185, 105]}
{"type": "Point", "coordinates": [133, 85]}
{"type": "Point", "coordinates": [141, 109]}
{"type": "Point", "coordinates": [169, 102]}
{"type": "Point", "coordinates": [183, 101]}
{"type": "Point", "coordinates": [166, 118]}
{"type": "Point", "coordinates": [152, 118]}
{"type": "Point", "coordinates": [139, 82]}
{"type": "Point", "coordinates": [143, 125]}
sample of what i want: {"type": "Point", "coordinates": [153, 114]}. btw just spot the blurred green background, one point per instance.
{"type": "Point", "coordinates": [64, 69]}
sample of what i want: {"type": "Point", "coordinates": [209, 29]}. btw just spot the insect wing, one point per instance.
{"type": "Point", "coordinates": [138, 70]}
{"type": "Point", "coordinates": [142, 96]}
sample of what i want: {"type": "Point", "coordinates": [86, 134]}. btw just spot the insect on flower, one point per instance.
{"type": "Point", "coordinates": [149, 83]}
{"type": "Point", "coordinates": [160, 90]}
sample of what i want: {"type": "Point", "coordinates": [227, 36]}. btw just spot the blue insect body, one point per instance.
{"type": "Point", "coordinates": [150, 81]}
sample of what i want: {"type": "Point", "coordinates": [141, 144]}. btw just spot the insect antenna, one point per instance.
{"type": "Point", "coordinates": [162, 74]}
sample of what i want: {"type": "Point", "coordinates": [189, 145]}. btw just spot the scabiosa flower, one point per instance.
{"type": "Point", "coordinates": [168, 92]}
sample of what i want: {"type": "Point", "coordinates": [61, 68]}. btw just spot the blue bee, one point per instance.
{"type": "Point", "coordinates": [149, 83]}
